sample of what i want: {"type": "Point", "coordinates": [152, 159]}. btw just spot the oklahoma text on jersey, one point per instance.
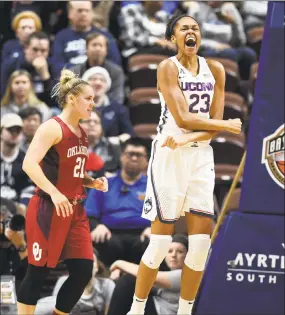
{"type": "Point", "coordinates": [78, 149]}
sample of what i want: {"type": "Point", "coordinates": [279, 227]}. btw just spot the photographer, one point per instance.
{"type": "Point", "coordinates": [13, 248]}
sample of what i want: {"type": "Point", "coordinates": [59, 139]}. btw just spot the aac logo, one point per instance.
{"type": "Point", "coordinates": [273, 155]}
{"type": "Point", "coordinates": [182, 73]}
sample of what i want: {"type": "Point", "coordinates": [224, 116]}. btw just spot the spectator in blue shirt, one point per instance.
{"type": "Point", "coordinates": [117, 228]}
{"type": "Point", "coordinates": [70, 46]}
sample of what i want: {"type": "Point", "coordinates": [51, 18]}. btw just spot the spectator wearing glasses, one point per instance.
{"type": "Point", "coordinates": [117, 228]}
{"type": "Point", "coordinates": [13, 178]}
{"type": "Point", "coordinates": [35, 61]}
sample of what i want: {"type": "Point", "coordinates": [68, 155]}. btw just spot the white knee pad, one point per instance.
{"type": "Point", "coordinates": [157, 250]}
{"type": "Point", "coordinates": [198, 248]}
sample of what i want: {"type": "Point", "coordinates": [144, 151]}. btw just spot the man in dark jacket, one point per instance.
{"type": "Point", "coordinates": [97, 50]}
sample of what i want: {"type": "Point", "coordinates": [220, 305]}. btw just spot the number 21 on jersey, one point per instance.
{"type": "Point", "coordinates": [79, 167]}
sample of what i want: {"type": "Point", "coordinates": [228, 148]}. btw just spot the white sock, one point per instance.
{"type": "Point", "coordinates": [185, 307]}
{"type": "Point", "coordinates": [138, 306]}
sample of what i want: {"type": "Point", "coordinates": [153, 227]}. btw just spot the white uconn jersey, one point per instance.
{"type": "Point", "coordinates": [182, 180]}
{"type": "Point", "coordinates": [198, 92]}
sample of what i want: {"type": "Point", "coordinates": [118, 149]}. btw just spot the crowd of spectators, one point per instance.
{"type": "Point", "coordinates": [96, 39]}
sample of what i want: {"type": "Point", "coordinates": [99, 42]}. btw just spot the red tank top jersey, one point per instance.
{"type": "Point", "coordinates": [64, 163]}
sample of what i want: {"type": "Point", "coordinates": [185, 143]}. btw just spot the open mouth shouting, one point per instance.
{"type": "Point", "coordinates": [190, 42]}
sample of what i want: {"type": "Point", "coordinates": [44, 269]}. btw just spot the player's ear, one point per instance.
{"type": "Point", "coordinates": [173, 39]}
{"type": "Point", "coordinates": [71, 99]}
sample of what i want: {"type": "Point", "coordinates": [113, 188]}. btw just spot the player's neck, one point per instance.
{"type": "Point", "coordinates": [189, 62]}
{"type": "Point", "coordinates": [69, 117]}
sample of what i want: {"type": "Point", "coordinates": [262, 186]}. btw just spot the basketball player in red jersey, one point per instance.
{"type": "Point", "coordinates": [56, 224]}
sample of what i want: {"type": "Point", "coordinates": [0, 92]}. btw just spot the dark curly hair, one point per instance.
{"type": "Point", "coordinates": [172, 22]}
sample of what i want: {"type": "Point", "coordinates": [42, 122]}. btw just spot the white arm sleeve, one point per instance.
{"type": "Point", "coordinates": [174, 277]}
{"type": "Point", "coordinates": [108, 289]}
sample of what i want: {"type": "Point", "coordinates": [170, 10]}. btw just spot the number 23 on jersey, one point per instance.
{"type": "Point", "coordinates": [199, 100]}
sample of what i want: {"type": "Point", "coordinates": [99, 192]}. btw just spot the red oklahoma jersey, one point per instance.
{"type": "Point", "coordinates": [64, 164]}
{"type": "Point", "coordinates": [50, 237]}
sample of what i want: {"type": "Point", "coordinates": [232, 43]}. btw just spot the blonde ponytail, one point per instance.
{"type": "Point", "coordinates": [68, 83]}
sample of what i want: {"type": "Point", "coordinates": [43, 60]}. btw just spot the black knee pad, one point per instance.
{"type": "Point", "coordinates": [80, 270]}
{"type": "Point", "coordinates": [30, 289]}
{"type": "Point", "coordinates": [80, 273]}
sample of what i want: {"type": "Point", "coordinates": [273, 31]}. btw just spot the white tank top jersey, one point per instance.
{"type": "Point", "coordinates": [198, 92]}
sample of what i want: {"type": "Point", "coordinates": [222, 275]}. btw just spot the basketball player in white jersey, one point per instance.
{"type": "Point", "coordinates": [181, 171]}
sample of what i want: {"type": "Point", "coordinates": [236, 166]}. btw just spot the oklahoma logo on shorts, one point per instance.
{"type": "Point", "coordinates": [273, 155]}
{"type": "Point", "coordinates": [37, 251]}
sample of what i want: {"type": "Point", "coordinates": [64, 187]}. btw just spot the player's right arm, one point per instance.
{"type": "Point", "coordinates": [47, 135]}
{"type": "Point", "coordinates": [167, 77]}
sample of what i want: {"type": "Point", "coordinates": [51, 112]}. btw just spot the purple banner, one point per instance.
{"type": "Point", "coordinates": [263, 181]}
{"type": "Point", "coordinates": [245, 274]}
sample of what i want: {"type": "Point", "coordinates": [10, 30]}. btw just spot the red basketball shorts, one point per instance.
{"type": "Point", "coordinates": [52, 238]}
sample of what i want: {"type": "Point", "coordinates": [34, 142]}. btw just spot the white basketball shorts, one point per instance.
{"type": "Point", "coordinates": [179, 181]}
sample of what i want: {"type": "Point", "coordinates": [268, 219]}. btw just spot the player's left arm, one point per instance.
{"type": "Point", "coordinates": [100, 183]}
{"type": "Point", "coordinates": [216, 109]}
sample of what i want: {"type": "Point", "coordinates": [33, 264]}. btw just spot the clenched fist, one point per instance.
{"type": "Point", "coordinates": [234, 125]}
